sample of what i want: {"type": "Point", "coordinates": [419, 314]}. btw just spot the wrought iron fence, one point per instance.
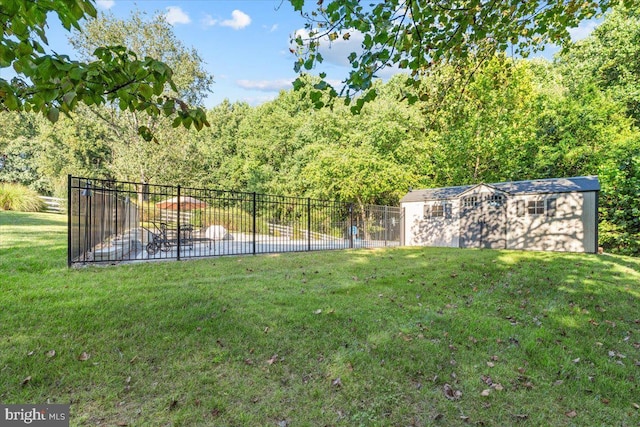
{"type": "Point", "coordinates": [116, 221]}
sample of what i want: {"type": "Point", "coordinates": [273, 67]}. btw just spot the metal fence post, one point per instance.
{"type": "Point", "coordinates": [179, 233]}
{"type": "Point", "coordinates": [308, 224]}
{"type": "Point", "coordinates": [385, 222]}
{"type": "Point", "coordinates": [69, 220]}
{"type": "Point", "coordinates": [351, 226]}
{"type": "Point", "coordinates": [254, 222]}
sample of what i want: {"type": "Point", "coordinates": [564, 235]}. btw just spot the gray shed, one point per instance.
{"type": "Point", "coordinates": [559, 214]}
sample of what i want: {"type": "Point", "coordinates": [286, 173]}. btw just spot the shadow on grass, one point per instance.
{"type": "Point", "coordinates": [258, 340]}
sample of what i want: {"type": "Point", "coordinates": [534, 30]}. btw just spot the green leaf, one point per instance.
{"type": "Point", "coordinates": [53, 114]}
{"type": "Point", "coordinates": [145, 133]}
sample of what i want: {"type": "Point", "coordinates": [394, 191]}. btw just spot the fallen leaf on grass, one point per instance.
{"type": "Point", "coordinates": [571, 414]}
{"type": "Point", "coordinates": [121, 424]}
{"type": "Point", "coordinates": [318, 311]}
{"type": "Point", "coordinates": [635, 405]}
{"type": "Point", "coordinates": [337, 382]}
{"type": "Point", "coordinates": [50, 353]}
{"type": "Point", "coordinates": [486, 392]}
{"type": "Point", "coordinates": [490, 364]}
{"type": "Point", "coordinates": [273, 359]}
{"type": "Point", "coordinates": [26, 380]}
{"type": "Point", "coordinates": [450, 393]}
{"type": "Point", "coordinates": [497, 386]}
{"type": "Point", "coordinates": [84, 356]}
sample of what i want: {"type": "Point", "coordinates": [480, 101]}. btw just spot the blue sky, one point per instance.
{"type": "Point", "coordinates": [244, 43]}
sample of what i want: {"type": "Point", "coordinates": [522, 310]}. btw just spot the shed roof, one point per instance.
{"type": "Point", "coordinates": [536, 186]}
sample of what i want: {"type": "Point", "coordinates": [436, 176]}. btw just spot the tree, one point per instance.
{"type": "Point", "coordinates": [77, 147]}
{"type": "Point", "coordinates": [50, 83]}
{"type": "Point", "coordinates": [608, 59]}
{"type": "Point", "coordinates": [620, 199]}
{"type": "Point", "coordinates": [482, 128]}
{"type": "Point", "coordinates": [416, 35]}
{"type": "Point", "coordinates": [19, 150]}
{"type": "Point", "coordinates": [219, 144]}
{"type": "Point", "coordinates": [133, 158]}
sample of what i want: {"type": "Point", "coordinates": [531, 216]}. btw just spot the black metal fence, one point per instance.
{"type": "Point", "coordinates": [115, 221]}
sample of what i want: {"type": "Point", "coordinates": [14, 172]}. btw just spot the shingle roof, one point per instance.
{"type": "Point", "coordinates": [537, 186]}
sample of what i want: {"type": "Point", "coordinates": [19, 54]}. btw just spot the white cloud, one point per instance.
{"type": "Point", "coordinates": [273, 28]}
{"type": "Point", "coordinates": [583, 30]}
{"type": "Point", "coordinates": [238, 21]}
{"type": "Point", "coordinates": [209, 21]}
{"type": "Point", "coordinates": [176, 15]}
{"type": "Point", "coordinates": [105, 4]}
{"type": "Point", "coordinates": [266, 85]}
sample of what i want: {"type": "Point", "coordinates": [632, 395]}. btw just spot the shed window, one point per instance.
{"type": "Point", "coordinates": [535, 207]}
{"type": "Point", "coordinates": [437, 210]}
{"type": "Point", "coordinates": [470, 202]}
{"type": "Point", "coordinates": [496, 200]}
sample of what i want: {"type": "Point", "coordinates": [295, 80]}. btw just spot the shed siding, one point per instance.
{"type": "Point", "coordinates": [564, 231]}
{"type": "Point", "coordinates": [421, 231]}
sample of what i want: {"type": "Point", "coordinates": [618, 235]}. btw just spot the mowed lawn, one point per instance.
{"type": "Point", "coordinates": [396, 337]}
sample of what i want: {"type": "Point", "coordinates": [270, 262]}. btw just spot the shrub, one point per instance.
{"type": "Point", "coordinates": [17, 197]}
{"type": "Point", "coordinates": [615, 239]}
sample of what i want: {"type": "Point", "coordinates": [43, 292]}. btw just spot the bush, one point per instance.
{"type": "Point", "coordinates": [16, 197]}
{"type": "Point", "coordinates": [615, 239]}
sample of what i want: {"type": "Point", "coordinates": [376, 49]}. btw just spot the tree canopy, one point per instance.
{"type": "Point", "coordinates": [51, 83]}
{"type": "Point", "coordinates": [416, 35]}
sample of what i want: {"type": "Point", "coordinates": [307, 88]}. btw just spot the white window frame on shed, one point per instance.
{"type": "Point", "coordinates": [442, 210]}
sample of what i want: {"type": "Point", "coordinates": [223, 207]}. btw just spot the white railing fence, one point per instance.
{"type": "Point", "coordinates": [54, 204]}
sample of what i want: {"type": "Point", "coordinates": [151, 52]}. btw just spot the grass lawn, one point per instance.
{"type": "Point", "coordinates": [397, 337]}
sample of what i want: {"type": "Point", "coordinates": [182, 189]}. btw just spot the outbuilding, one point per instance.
{"type": "Point", "coordinates": [559, 214]}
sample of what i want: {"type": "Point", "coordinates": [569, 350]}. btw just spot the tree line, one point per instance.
{"type": "Point", "coordinates": [493, 120]}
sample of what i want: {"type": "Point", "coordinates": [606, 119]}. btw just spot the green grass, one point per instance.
{"type": "Point", "coordinates": [347, 338]}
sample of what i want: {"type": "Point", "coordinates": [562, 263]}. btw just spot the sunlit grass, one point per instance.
{"type": "Point", "coordinates": [325, 338]}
